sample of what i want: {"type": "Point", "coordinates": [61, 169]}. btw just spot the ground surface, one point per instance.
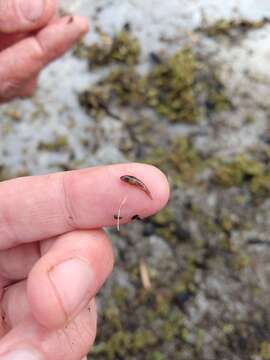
{"type": "Point", "coordinates": [201, 115]}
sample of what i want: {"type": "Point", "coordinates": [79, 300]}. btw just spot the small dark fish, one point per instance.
{"type": "Point", "coordinates": [116, 217]}
{"type": "Point", "coordinates": [132, 180]}
{"type": "Point", "coordinates": [136, 217]}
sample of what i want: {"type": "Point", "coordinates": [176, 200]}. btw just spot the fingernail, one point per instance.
{"type": "Point", "coordinates": [32, 10]}
{"type": "Point", "coordinates": [72, 280]}
{"type": "Point", "coordinates": [22, 354]}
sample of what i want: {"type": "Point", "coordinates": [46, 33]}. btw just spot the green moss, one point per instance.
{"type": "Point", "coordinates": [117, 345]}
{"type": "Point", "coordinates": [200, 336]}
{"type": "Point", "coordinates": [59, 144]}
{"type": "Point", "coordinates": [127, 87]}
{"type": "Point", "coordinates": [226, 223]}
{"type": "Point", "coordinates": [216, 97]}
{"type": "Point", "coordinates": [126, 48]}
{"type": "Point", "coordinates": [113, 317]}
{"type": "Point", "coordinates": [172, 89]}
{"type": "Point", "coordinates": [250, 119]}
{"type": "Point", "coordinates": [260, 185]}
{"type": "Point", "coordinates": [240, 261]}
{"type": "Point", "coordinates": [123, 343]}
{"type": "Point", "coordinates": [123, 48]}
{"type": "Point", "coordinates": [265, 351]}
{"type": "Point", "coordinates": [141, 339]}
{"type": "Point", "coordinates": [180, 159]}
{"type": "Point", "coordinates": [162, 307]}
{"type": "Point", "coordinates": [120, 295]}
{"type": "Point", "coordinates": [225, 28]}
{"type": "Point", "coordinates": [244, 171]}
{"type": "Point", "coordinates": [237, 172]}
{"type": "Point", "coordinates": [122, 87]}
{"type": "Point", "coordinates": [228, 329]}
{"type": "Point", "coordinates": [156, 355]}
{"type": "Point", "coordinates": [164, 217]}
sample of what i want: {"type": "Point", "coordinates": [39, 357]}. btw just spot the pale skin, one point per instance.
{"type": "Point", "coordinates": [54, 255]}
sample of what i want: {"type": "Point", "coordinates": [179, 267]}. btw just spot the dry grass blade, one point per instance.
{"type": "Point", "coordinates": [119, 213]}
{"type": "Point", "coordinates": [145, 275]}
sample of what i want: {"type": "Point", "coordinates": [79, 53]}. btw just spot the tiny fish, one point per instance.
{"type": "Point", "coordinates": [116, 217]}
{"type": "Point", "coordinates": [132, 180]}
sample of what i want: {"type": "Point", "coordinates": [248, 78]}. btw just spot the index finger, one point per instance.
{"type": "Point", "coordinates": [39, 207]}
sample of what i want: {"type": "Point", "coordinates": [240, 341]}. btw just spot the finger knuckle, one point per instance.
{"type": "Point", "coordinates": [67, 202]}
{"type": "Point", "coordinates": [10, 88]}
{"type": "Point", "coordinates": [6, 8]}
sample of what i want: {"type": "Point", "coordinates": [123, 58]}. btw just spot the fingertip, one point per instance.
{"type": "Point", "coordinates": [160, 187]}
{"type": "Point", "coordinates": [83, 22]}
{"type": "Point", "coordinates": [79, 23]}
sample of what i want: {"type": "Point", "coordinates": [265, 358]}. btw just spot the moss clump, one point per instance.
{"type": "Point", "coordinates": [59, 144]}
{"type": "Point", "coordinates": [127, 87]}
{"type": "Point", "coordinates": [232, 28]}
{"type": "Point", "coordinates": [216, 98]}
{"type": "Point", "coordinates": [122, 87]}
{"type": "Point", "coordinates": [260, 185]}
{"type": "Point", "coordinates": [156, 355]}
{"type": "Point", "coordinates": [244, 171]}
{"type": "Point", "coordinates": [122, 343]}
{"type": "Point", "coordinates": [228, 329]}
{"type": "Point", "coordinates": [164, 217]}
{"type": "Point", "coordinates": [123, 48]}
{"type": "Point", "coordinates": [237, 172]}
{"type": "Point", "coordinates": [172, 328]}
{"type": "Point", "coordinates": [112, 317]}
{"type": "Point", "coordinates": [240, 261]}
{"type": "Point", "coordinates": [181, 160]}
{"type": "Point", "coordinates": [168, 227]}
{"type": "Point", "coordinates": [265, 351]}
{"type": "Point", "coordinates": [172, 89]}
{"type": "Point", "coordinates": [250, 119]}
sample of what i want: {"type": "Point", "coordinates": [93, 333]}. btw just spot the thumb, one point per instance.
{"type": "Point", "coordinates": [28, 340]}
{"type": "Point", "coordinates": [25, 15]}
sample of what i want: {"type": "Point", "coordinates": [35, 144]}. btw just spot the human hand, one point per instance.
{"type": "Point", "coordinates": [54, 257]}
{"type": "Point", "coordinates": [31, 36]}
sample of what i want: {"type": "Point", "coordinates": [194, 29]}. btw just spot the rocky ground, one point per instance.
{"type": "Point", "coordinates": [183, 85]}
